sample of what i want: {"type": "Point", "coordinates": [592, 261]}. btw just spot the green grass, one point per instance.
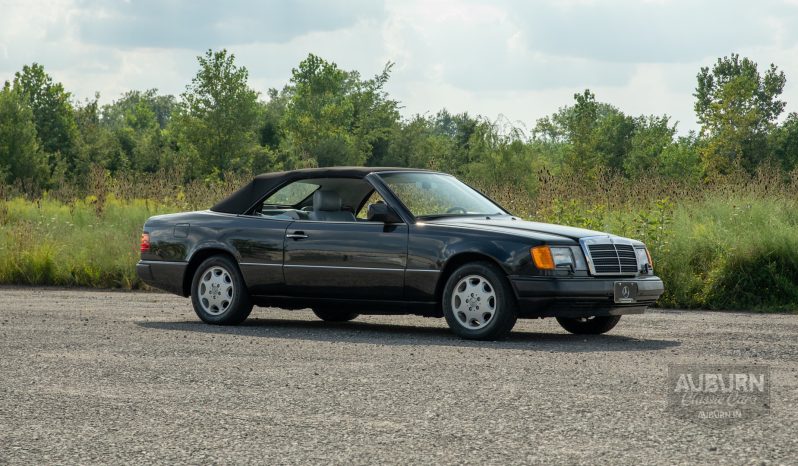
{"type": "Point", "coordinates": [716, 248]}
{"type": "Point", "coordinates": [48, 242]}
{"type": "Point", "coordinates": [738, 253]}
{"type": "Point", "coordinates": [725, 253]}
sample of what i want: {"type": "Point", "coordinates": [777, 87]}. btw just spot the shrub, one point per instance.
{"type": "Point", "coordinates": [729, 245]}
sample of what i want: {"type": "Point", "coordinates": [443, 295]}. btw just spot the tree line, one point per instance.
{"type": "Point", "coordinates": [327, 116]}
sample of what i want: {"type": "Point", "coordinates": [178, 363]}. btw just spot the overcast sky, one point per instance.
{"type": "Point", "coordinates": [520, 59]}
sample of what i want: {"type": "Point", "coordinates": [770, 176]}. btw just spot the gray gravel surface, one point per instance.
{"type": "Point", "coordinates": [113, 377]}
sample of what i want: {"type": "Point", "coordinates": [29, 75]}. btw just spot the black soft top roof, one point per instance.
{"type": "Point", "coordinates": [249, 194]}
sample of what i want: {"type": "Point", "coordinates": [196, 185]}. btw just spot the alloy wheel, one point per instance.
{"type": "Point", "coordinates": [216, 290]}
{"type": "Point", "coordinates": [474, 302]}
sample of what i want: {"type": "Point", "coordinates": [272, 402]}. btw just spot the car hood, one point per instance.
{"type": "Point", "coordinates": [511, 225]}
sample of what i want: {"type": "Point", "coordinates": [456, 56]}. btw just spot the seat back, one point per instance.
{"type": "Point", "coordinates": [327, 207]}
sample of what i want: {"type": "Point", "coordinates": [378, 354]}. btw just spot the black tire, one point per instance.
{"type": "Point", "coordinates": [594, 325]}
{"type": "Point", "coordinates": [329, 314]}
{"type": "Point", "coordinates": [460, 313]}
{"type": "Point", "coordinates": [209, 299]}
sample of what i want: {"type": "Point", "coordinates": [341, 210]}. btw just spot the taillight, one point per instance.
{"type": "Point", "coordinates": [145, 242]}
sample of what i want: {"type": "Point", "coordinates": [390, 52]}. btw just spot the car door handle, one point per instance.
{"type": "Point", "coordinates": [297, 235]}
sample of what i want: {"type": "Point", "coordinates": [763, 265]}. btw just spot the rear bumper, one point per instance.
{"type": "Point", "coordinates": [580, 297]}
{"type": "Point", "coordinates": [164, 275]}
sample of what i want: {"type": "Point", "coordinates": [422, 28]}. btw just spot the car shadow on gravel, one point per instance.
{"type": "Point", "coordinates": [411, 335]}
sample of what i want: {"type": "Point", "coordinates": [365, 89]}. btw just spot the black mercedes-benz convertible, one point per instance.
{"type": "Point", "coordinates": [350, 241]}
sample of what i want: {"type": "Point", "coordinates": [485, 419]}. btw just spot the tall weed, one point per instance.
{"type": "Point", "coordinates": [728, 244]}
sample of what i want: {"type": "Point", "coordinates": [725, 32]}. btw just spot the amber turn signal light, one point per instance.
{"type": "Point", "coordinates": [541, 255]}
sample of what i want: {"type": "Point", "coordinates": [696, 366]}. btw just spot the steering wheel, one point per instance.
{"type": "Point", "coordinates": [456, 210]}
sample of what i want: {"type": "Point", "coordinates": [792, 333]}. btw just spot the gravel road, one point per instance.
{"type": "Point", "coordinates": [115, 377]}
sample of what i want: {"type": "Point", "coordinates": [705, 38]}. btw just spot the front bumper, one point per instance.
{"type": "Point", "coordinates": [581, 296]}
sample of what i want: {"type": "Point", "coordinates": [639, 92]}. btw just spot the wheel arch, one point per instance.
{"type": "Point", "coordinates": [196, 259]}
{"type": "Point", "coordinates": [455, 262]}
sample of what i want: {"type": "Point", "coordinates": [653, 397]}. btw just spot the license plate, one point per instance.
{"type": "Point", "coordinates": [625, 292]}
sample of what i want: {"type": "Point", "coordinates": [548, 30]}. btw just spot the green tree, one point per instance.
{"type": "Point", "coordinates": [333, 117]}
{"type": "Point", "coordinates": [139, 110]}
{"type": "Point", "coordinates": [613, 136]}
{"type": "Point", "coordinates": [499, 156]}
{"type": "Point", "coordinates": [53, 114]}
{"type": "Point", "coordinates": [216, 126]}
{"type": "Point", "coordinates": [96, 146]}
{"type": "Point", "coordinates": [580, 124]}
{"type": "Point", "coordinates": [448, 142]}
{"type": "Point", "coordinates": [586, 136]}
{"type": "Point", "coordinates": [569, 133]}
{"type": "Point", "coordinates": [737, 107]}
{"type": "Point", "coordinates": [681, 160]}
{"type": "Point", "coordinates": [462, 131]}
{"type": "Point", "coordinates": [652, 136]}
{"type": "Point", "coordinates": [784, 142]}
{"type": "Point", "coordinates": [20, 155]}
{"type": "Point", "coordinates": [269, 133]}
{"type": "Point", "coordinates": [137, 122]}
{"type": "Point", "coordinates": [415, 143]}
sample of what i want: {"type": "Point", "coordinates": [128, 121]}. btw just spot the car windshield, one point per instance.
{"type": "Point", "coordinates": [429, 195]}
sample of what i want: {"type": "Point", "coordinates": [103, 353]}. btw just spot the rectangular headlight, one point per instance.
{"type": "Point", "coordinates": [562, 257]}
{"type": "Point", "coordinates": [644, 259]}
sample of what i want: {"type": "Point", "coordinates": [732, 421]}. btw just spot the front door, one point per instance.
{"type": "Point", "coordinates": [349, 260]}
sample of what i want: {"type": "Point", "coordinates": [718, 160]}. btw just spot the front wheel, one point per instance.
{"type": "Point", "coordinates": [218, 292]}
{"type": "Point", "coordinates": [479, 303]}
{"type": "Point", "coordinates": [593, 325]}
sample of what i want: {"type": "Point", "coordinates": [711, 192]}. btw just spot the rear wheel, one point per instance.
{"type": "Point", "coordinates": [328, 314]}
{"type": "Point", "coordinates": [593, 325]}
{"type": "Point", "coordinates": [479, 303]}
{"type": "Point", "coordinates": [218, 292]}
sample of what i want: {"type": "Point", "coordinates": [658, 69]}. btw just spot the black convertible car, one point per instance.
{"type": "Point", "coordinates": [349, 241]}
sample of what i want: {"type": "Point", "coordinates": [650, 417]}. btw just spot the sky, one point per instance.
{"type": "Point", "coordinates": [521, 60]}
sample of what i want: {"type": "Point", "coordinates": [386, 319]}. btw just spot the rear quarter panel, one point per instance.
{"type": "Point", "coordinates": [176, 237]}
{"type": "Point", "coordinates": [254, 243]}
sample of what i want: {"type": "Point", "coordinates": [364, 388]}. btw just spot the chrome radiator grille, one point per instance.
{"type": "Point", "coordinates": [611, 258]}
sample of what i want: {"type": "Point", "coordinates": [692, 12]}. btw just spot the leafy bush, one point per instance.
{"type": "Point", "coordinates": [730, 245]}
{"type": "Point", "coordinates": [733, 253]}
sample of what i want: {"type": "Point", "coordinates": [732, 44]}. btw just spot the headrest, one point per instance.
{"type": "Point", "coordinates": [328, 201]}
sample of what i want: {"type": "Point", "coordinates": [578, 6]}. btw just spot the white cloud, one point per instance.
{"type": "Point", "coordinates": [516, 58]}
